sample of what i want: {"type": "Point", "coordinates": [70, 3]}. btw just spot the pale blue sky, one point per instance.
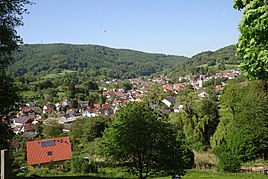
{"type": "Point", "coordinates": [180, 27]}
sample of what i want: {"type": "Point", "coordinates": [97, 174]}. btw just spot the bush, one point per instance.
{"type": "Point", "coordinates": [228, 161]}
{"type": "Point", "coordinates": [67, 166]}
{"type": "Point", "coordinates": [80, 165]}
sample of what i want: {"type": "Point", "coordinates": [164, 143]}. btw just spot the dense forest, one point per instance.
{"type": "Point", "coordinates": [90, 60]}
{"type": "Point", "coordinates": [101, 62]}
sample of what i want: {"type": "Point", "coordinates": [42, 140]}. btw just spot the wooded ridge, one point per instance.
{"type": "Point", "coordinates": [104, 62]}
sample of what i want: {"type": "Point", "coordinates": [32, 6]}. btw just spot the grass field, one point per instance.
{"type": "Point", "coordinates": [56, 75]}
{"type": "Point", "coordinates": [192, 174]}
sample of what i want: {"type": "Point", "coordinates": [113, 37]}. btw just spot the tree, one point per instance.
{"type": "Point", "coordinates": [72, 90]}
{"type": "Point", "coordinates": [11, 12]}
{"type": "Point", "coordinates": [52, 129]}
{"type": "Point", "coordinates": [245, 133]}
{"type": "Point", "coordinates": [252, 45]}
{"type": "Point", "coordinates": [155, 94]}
{"type": "Point", "coordinates": [87, 129]}
{"type": "Point", "coordinates": [9, 95]}
{"type": "Point", "coordinates": [137, 139]}
{"type": "Point", "coordinates": [6, 134]}
{"type": "Point", "coordinates": [199, 118]}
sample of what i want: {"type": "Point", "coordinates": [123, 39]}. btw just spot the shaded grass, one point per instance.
{"type": "Point", "coordinates": [190, 174]}
{"type": "Point", "coordinates": [210, 174]}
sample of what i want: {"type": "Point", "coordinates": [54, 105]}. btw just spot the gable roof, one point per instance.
{"type": "Point", "coordinates": [29, 127]}
{"type": "Point", "coordinates": [23, 120]}
{"type": "Point", "coordinates": [47, 150]}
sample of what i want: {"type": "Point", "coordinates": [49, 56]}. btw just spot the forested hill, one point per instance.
{"type": "Point", "coordinates": [92, 60]}
{"type": "Point", "coordinates": [208, 63]}
{"type": "Point", "coordinates": [224, 55]}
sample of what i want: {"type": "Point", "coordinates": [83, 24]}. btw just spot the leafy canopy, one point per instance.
{"type": "Point", "coordinates": [242, 134]}
{"type": "Point", "coordinates": [52, 129]}
{"type": "Point", "coordinates": [11, 12]}
{"type": "Point", "coordinates": [137, 139]}
{"type": "Point", "coordinates": [253, 41]}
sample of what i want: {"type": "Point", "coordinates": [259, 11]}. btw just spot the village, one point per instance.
{"type": "Point", "coordinates": [25, 122]}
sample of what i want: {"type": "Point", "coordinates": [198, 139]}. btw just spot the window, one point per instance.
{"type": "Point", "coordinates": [49, 153]}
{"type": "Point", "coordinates": [47, 143]}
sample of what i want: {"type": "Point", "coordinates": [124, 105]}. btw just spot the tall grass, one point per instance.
{"type": "Point", "coordinates": [204, 160]}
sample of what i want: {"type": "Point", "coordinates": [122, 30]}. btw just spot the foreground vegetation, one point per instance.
{"type": "Point", "coordinates": [190, 174]}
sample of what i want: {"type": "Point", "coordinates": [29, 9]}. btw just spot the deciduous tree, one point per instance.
{"type": "Point", "coordinates": [11, 12]}
{"type": "Point", "coordinates": [252, 45]}
{"type": "Point", "coordinates": [52, 129]}
{"type": "Point", "coordinates": [137, 139]}
{"type": "Point", "coordinates": [245, 133]}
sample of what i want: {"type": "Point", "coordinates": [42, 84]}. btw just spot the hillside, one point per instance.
{"type": "Point", "coordinates": [91, 60]}
{"type": "Point", "coordinates": [224, 55]}
{"type": "Point", "coordinates": [207, 63]}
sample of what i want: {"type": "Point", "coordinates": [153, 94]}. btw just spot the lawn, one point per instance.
{"type": "Point", "coordinates": [218, 175]}
{"type": "Point", "coordinates": [192, 174]}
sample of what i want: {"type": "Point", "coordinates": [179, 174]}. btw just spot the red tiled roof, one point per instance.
{"type": "Point", "coordinates": [105, 105]}
{"type": "Point", "coordinates": [167, 87]}
{"type": "Point", "coordinates": [36, 154]}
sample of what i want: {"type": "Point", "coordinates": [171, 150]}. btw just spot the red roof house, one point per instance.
{"type": "Point", "coordinates": [41, 152]}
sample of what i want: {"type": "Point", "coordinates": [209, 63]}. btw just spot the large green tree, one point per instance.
{"type": "Point", "coordinates": [10, 17]}
{"type": "Point", "coordinates": [252, 46]}
{"type": "Point", "coordinates": [198, 119]}
{"type": "Point", "coordinates": [86, 129]}
{"type": "Point", "coordinates": [242, 136]}
{"type": "Point", "coordinates": [11, 12]}
{"type": "Point", "coordinates": [139, 140]}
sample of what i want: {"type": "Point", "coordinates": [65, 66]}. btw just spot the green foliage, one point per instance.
{"type": "Point", "coordinates": [245, 131]}
{"type": "Point", "coordinates": [52, 129]}
{"type": "Point", "coordinates": [11, 18]}
{"type": "Point", "coordinates": [214, 82]}
{"type": "Point", "coordinates": [86, 129]}
{"type": "Point", "coordinates": [198, 120]}
{"type": "Point", "coordinates": [90, 61]}
{"type": "Point", "coordinates": [155, 94]}
{"type": "Point", "coordinates": [9, 95]}
{"type": "Point", "coordinates": [252, 44]}
{"type": "Point", "coordinates": [11, 12]}
{"type": "Point", "coordinates": [6, 134]}
{"type": "Point", "coordinates": [137, 139]}
{"type": "Point", "coordinates": [204, 63]}
{"type": "Point", "coordinates": [78, 165]}
{"type": "Point", "coordinates": [211, 62]}
{"type": "Point", "coordinates": [39, 128]}
{"type": "Point", "coordinates": [228, 160]}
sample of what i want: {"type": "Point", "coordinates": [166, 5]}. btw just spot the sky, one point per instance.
{"type": "Point", "coordinates": [176, 27]}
